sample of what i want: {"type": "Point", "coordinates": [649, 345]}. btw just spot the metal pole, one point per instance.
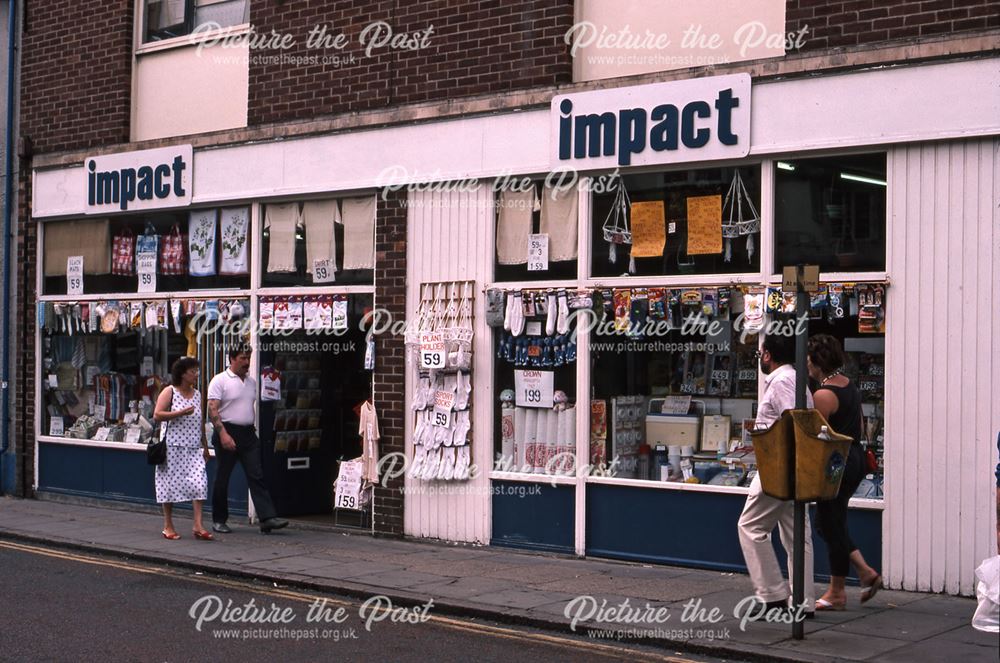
{"type": "Point", "coordinates": [798, 565]}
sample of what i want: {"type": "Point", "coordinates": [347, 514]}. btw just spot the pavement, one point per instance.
{"type": "Point", "coordinates": [668, 606]}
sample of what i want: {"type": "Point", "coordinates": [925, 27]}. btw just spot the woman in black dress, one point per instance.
{"type": "Point", "coordinates": [839, 401]}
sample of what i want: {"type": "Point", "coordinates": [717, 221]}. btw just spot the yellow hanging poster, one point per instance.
{"type": "Point", "coordinates": [648, 234]}
{"type": "Point", "coordinates": [704, 225]}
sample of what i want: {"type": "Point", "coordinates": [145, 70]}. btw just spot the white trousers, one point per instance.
{"type": "Point", "coordinates": [760, 514]}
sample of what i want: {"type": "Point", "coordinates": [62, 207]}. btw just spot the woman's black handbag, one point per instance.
{"type": "Point", "coordinates": [156, 451]}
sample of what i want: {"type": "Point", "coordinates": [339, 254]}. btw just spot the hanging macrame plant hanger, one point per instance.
{"type": "Point", "coordinates": [616, 226]}
{"type": "Point", "coordinates": [733, 222]}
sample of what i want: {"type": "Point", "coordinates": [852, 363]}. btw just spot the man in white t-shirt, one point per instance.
{"type": "Point", "coordinates": [762, 512]}
{"type": "Point", "coordinates": [232, 399]}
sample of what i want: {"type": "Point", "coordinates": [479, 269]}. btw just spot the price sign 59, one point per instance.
{"type": "Point", "coordinates": [432, 350]}
{"type": "Point", "coordinates": [324, 271]}
{"type": "Point", "coordinates": [74, 275]}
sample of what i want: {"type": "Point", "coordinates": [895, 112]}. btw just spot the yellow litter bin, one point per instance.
{"type": "Point", "coordinates": [795, 463]}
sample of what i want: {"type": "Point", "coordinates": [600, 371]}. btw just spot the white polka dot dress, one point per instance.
{"type": "Point", "coordinates": [182, 477]}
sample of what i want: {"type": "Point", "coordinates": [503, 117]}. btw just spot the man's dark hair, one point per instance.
{"type": "Point", "coordinates": [180, 367]}
{"type": "Point", "coordinates": [237, 350]}
{"type": "Point", "coordinates": [781, 347]}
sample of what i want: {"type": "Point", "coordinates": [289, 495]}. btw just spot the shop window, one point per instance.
{"type": "Point", "coordinates": [536, 231]}
{"type": "Point", "coordinates": [831, 212]}
{"type": "Point", "coordinates": [673, 377]}
{"type": "Point", "coordinates": [201, 249]}
{"type": "Point", "coordinates": [319, 242]}
{"type": "Point", "coordinates": [535, 378]}
{"type": "Point", "coordinates": [104, 362]}
{"type": "Point", "coordinates": [165, 19]}
{"type": "Point", "coordinates": [677, 223]}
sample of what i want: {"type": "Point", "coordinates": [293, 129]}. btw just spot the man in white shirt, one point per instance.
{"type": "Point", "coordinates": [761, 512]}
{"type": "Point", "coordinates": [232, 398]}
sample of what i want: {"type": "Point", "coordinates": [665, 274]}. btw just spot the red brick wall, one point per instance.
{"type": "Point", "coordinates": [390, 362]}
{"type": "Point", "coordinates": [477, 47]}
{"type": "Point", "coordinates": [856, 22]}
{"type": "Point", "coordinates": [76, 73]}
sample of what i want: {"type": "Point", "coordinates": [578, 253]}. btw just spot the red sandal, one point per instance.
{"type": "Point", "coordinates": [172, 537]}
{"type": "Point", "coordinates": [203, 535]}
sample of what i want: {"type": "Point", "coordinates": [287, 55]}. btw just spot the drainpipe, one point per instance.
{"type": "Point", "coordinates": [8, 169]}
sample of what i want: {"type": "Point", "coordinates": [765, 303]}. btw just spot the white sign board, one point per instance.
{"type": "Point", "coordinates": [533, 388]}
{"type": "Point", "coordinates": [698, 119]}
{"type": "Point", "coordinates": [145, 269]}
{"type": "Point", "coordinates": [538, 252]}
{"type": "Point", "coordinates": [432, 350]}
{"type": "Point", "coordinates": [347, 494]}
{"type": "Point", "coordinates": [324, 271]}
{"type": "Point", "coordinates": [141, 180]}
{"type": "Point", "coordinates": [74, 275]}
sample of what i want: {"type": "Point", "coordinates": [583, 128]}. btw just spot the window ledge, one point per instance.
{"type": "Point", "coordinates": [193, 39]}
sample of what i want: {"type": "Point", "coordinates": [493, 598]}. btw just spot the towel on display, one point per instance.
{"type": "Point", "coordinates": [514, 225]}
{"type": "Point", "coordinates": [359, 232]}
{"type": "Point", "coordinates": [319, 217]}
{"type": "Point", "coordinates": [281, 221]}
{"type": "Point", "coordinates": [559, 221]}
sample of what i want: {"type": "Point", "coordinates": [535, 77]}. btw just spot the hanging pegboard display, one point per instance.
{"type": "Point", "coordinates": [439, 356]}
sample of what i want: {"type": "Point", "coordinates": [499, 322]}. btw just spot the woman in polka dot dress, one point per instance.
{"type": "Point", "coordinates": [182, 477]}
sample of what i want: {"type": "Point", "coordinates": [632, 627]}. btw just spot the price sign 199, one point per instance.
{"type": "Point", "coordinates": [533, 395]}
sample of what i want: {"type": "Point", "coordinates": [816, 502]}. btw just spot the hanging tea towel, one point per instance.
{"type": "Point", "coordinates": [359, 232]}
{"type": "Point", "coordinates": [319, 217]}
{"type": "Point", "coordinates": [560, 221]}
{"type": "Point", "coordinates": [281, 220]}
{"type": "Point", "coordinates": [201, 242]}
{"type": "Point", "coordinates": [514, 213]}
{"type": "Point", "coordinates": [235, 256]}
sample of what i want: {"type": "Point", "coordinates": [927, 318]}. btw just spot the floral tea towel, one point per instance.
{"type": "Point", "coordinates": [201, 242]}
{"type": "Point", "coordinates": [235, 256]}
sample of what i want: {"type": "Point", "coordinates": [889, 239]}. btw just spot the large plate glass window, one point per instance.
{"type": "Point", "coordinates": [702, 221]}
{"type": "Point", "coordinates": [830, 212]}
{"type": "Point", "coordinates": [537, 225]}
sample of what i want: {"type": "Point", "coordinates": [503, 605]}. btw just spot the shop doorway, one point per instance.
{"type": "Point", "coordinates": [313, 424]}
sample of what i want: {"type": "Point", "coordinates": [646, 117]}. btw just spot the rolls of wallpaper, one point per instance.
{"type": "Point", "coordinates": [520, 437]}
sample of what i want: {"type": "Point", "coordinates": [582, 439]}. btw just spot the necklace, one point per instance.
{"type": "Point", "coordinates": [830, 376]}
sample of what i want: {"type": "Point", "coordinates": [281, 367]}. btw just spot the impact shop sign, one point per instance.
{"type": "Point", "coordinates": [142, 180]}
{"type": "Point", "coordinates": [701, 119]}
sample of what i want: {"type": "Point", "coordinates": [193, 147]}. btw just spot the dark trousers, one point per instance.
{"type": "Point", "coordinates": [831, 515]}
{"type": "Point", "coordinates": [248, 454]}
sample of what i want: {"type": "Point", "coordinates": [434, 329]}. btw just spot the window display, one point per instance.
{"type": "Point", "coordinates": [154, 252]}
{"type": "Point", "coordinates": [678, 222]}
{"type": "Point", "coordinates": [535, 375]}
{"type": "Point", "coordinates": [104, 361]}
{"type": "Point", "coordinates": [319, 242]}
{"type": "Point", "coordinates": [537, 228]}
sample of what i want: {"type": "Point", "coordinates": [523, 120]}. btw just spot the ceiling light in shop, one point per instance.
{"type": "Point", "coordinates": [860, 178]}
{"type": "Point", "coordinates": [785, 166]}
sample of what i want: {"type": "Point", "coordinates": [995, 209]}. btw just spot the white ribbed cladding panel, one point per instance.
{"type": "Point", "coordinates": [942, 363]}
{"type": "Point", "coordinates": [450, 238]}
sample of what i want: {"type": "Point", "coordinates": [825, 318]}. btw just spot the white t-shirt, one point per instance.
{"type": "Point", "coordinates": [236, 397]}
{"type": "Point", "coordinates": [779, 395]}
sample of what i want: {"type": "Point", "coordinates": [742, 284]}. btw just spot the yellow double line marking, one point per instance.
{"type": "Point", "coordinates": [591, 647]}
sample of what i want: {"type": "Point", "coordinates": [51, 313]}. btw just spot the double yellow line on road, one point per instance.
{"type": "Point", "coordinates": [588, 646]}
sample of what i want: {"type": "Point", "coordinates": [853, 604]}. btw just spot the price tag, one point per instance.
{"type": "Point", "coordinates": [53, 381]}
{"type": "Point", "coordinates": [145, 269]}
{"type": "Point", "coordinates": [74, 275]}
{"type": "Point", "coordinates": [91, 372]}
{"type": "Point", "coordinates": [432, 351]}
{"type": "Point", "coordinates": [102, 434]}
{"type": "Point", "coordinates": [147, 366]}
{"type": "Point", "coordinates": [324, 271]}
{"type": "Point", "coordinates": [444, 403]}
{"type": "Point", "coordinates": [672, 227]}
{"type": "Point", "coordinates": [533, 388]}
{"type": "Point", "coordinates": [56, 425]}
{"type": "Point", "coordinates": [132, 434]}
{"type": "Point", "coordinates": [676, 405]}
{"type": "Point", "coordinates": [533, 329]}
{"type": "Point", "coordinates": [538, 252]}
{"type": "Point", "coordinates": [347, 494]}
